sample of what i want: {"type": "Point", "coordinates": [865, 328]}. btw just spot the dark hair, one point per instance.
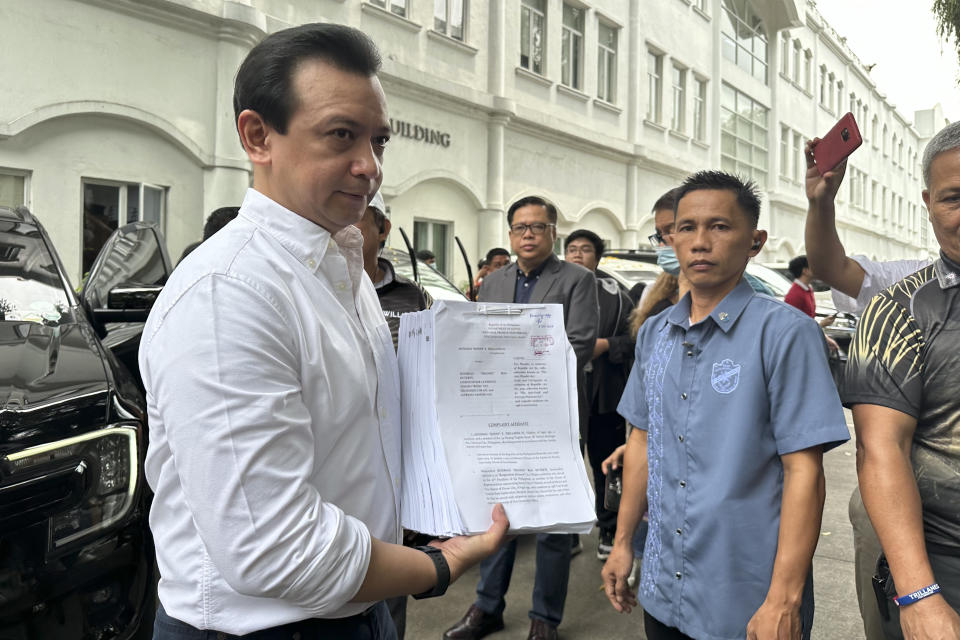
{"type": "Point", "coordinates": [218, 220]}
{"type": "Point", "coordinates": [425, 254]}
{"type": "Point", "coordinates": [797, 265]}
{"type": "Point", "coordinates": [594, 239]}
{"type": "Point", "coordinates": [666, 201]}
{"type": "Point", "coordinates": [483, 263]}
{"type": "Point", "coordinates": [379, 219]}
{"type": "Point", "coordinates": [745, 190]}
{"type": "Point", "coordinates": [264, 80]}
{"type": "Point", "coordinates": [497, 251]}
{"type": "Point", "coordinates": [532, 200]}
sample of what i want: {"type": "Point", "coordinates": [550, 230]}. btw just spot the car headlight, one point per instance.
{"type": "Point", "coordinates": [108, 460]}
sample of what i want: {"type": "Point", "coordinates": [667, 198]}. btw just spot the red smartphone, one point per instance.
{"type": "Point", "coordinates": [839, 143]}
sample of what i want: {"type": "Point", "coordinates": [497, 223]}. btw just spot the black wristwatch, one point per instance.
{"type": "Point", "coordinates": [443, 573]}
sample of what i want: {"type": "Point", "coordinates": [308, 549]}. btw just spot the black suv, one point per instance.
{"type": "Point", "coordinates": [76, 555]}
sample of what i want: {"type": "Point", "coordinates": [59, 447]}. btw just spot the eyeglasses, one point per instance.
{"type": "Point", "coordinates": [586, 250]}
{"type": "Point", "coordinates": [538, 228]}
{"type": "Point", "coordinates": [657, 239]}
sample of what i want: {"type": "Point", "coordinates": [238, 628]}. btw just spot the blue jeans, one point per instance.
{"type": "Point", "coordinates": [375, 624]}
{"type": "Point", "coordinates": [550, 583]}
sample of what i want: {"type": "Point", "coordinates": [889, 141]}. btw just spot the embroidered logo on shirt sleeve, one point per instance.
{"type": "Point", "coordinates": [725, 376]}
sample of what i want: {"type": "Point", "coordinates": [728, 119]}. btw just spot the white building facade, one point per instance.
{"type": "Point", "coordinates": [120, 110]}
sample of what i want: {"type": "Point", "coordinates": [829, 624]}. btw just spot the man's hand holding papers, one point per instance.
{"type": "Point", "coordinates": [489, 402]}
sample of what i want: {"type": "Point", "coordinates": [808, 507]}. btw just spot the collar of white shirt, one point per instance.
{"type": "Point", "coordinates": [307, 241]}
{"type": "Point", "coordinates": [802, 285]}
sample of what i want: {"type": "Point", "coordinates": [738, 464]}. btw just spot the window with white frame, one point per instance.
{"type": "Point", "coordinates": [797, 61]}
{"type": "Point", "coordinates": [532, 34]}
{"type": "Point", "coordinates": [654, 85]}
{"type": "Point", "coordinates": [900, 153]}
{"type": "Point", "coordinates": [743, 143]}
{"type": "Point", "coordinates": [108, 205]}
{"type": "Point", "coordinates": [823, 85]}
{"type": "Point", "coordinates": [12, 188]}
{"type": "Point", "coordinates": [785, 137]}
{"type": "Point", "coordinates": [831, 92]}
{"type": "Point", "coordinates": [433, 236]}
{"type": "Point", "coordinates": [398, 7]}
{"type": "Point", "coordinates": [874, 202]}
{"type": "Point", "coordinates": [571, 47]}
{"type": "Point", "coordinates": [679, 84]}
{"type": "Point", "coordinates": [449, 17]}
{"type": "Point", "coordinates": [900, 211]}
{"type": "Point", "coordinates": [744, 38]}
{"type": "Point", "coordinates": [839, 103]}
{"type": "Point", "coordinates": [808, 70]}
{"type": "Point", "coordinates": [700, 109]}
{"type": "Point", "coordinates": [886, 141]}
{"type": "Point", "coordinates": [874, 132]}
{"type": "Point", "coordinates": [799, 160]}
{"type": "Point", "coordinates": [607, 63]}
{"type": "Point", "coordinates": [785, 54]}
{"type": "Point", "coordinates": [858, 187]}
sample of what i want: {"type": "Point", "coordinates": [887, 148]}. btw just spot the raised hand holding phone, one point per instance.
{"type": "Point", "coordinates": [842, 140]}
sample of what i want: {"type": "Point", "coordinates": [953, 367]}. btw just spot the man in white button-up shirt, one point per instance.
{"type": "Point", "coordinates": [271, 379]}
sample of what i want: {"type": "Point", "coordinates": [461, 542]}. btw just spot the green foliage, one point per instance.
{"type": "Point", "coordinates": [947, 15]}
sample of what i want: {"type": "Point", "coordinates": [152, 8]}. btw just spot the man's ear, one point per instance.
{"type": "Point", "coordinates": [255, 136]}
{"type": "Point", "coordinates": [759, 239]}
{"type": "Point", "coordinates": [386, 230]}
{"type": "Point", "coordinates": [925, 194]}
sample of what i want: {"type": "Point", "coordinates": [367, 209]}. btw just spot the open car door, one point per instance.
{"type": "Point", "coordinates": [122, 286]}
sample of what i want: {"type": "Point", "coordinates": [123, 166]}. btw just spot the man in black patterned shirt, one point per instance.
{"type": "Point", "coordinates": [902, 382]}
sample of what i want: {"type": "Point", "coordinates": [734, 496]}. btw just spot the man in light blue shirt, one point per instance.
{"type": "Point", "coordinates": [734, 405]}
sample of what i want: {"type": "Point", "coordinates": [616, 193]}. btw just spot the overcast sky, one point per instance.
{"type": "Point", "coordinates": [914, 67]}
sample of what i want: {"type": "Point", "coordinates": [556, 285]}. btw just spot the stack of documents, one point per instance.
{"type": "Point", "coordinates": [489, 399]}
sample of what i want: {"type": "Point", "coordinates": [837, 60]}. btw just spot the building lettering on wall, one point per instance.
{"type": "Point", "coordinates": [417, 132]}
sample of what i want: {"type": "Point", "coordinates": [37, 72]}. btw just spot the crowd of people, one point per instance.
{"type": "Point", "coordinates": [274, 449]}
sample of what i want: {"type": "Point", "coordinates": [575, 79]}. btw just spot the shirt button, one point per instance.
{"type": "Point", "coordinates": [678, 575]}
{"type": "Point", "coordinates": [683, 396]}
{"type": "Point", "coordinates": [683, 483]}
{"type": "Point", "coordinates": [397, 482]}
{"type": "Point", "coordinates": [690, 353]}
{"type": "Point", "coordinates": [383, 414]}
{"type": "Point", "coordinates": [311, 263]}
{"type": "Point", "coordinates": [342, 286]}
{"type": "Point", "coordinates": [680, 438]}
{"type": "Point", "coordinates": [679, 531]}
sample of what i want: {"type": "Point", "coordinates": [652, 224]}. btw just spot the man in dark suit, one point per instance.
{"type": "Point", "coordinates": [536, 277]}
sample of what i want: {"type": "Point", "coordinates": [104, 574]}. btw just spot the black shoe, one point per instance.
{"type": "Point", "coordinates": [476, 624]}
{"type": "Point", "coordinates": [605, 545]}
{"type": "Point", "coordinates": [540, 630]}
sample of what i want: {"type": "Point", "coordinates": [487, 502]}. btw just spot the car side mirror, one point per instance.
{"type": "Point", "coordinates": [129, 302]}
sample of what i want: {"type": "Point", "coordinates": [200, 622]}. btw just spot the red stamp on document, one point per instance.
{"type": "Point", "coordinates": [541, 344]}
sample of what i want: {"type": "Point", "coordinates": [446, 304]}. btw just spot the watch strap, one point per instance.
{"type": "Point", "coordinates": [443, 573]}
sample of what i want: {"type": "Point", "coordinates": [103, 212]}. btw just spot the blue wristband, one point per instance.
{"type": "Point", "coordinates": [918, 595]}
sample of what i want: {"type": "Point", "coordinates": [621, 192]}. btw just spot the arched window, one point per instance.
{"type": "Point", "coordinates": [744, 38]}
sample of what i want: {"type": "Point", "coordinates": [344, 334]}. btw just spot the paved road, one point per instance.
{"type": "Point", "coordinates": [588, 615]}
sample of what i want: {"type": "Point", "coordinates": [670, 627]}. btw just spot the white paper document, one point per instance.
{"type": "Point", "coordinates": [489, 398]}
